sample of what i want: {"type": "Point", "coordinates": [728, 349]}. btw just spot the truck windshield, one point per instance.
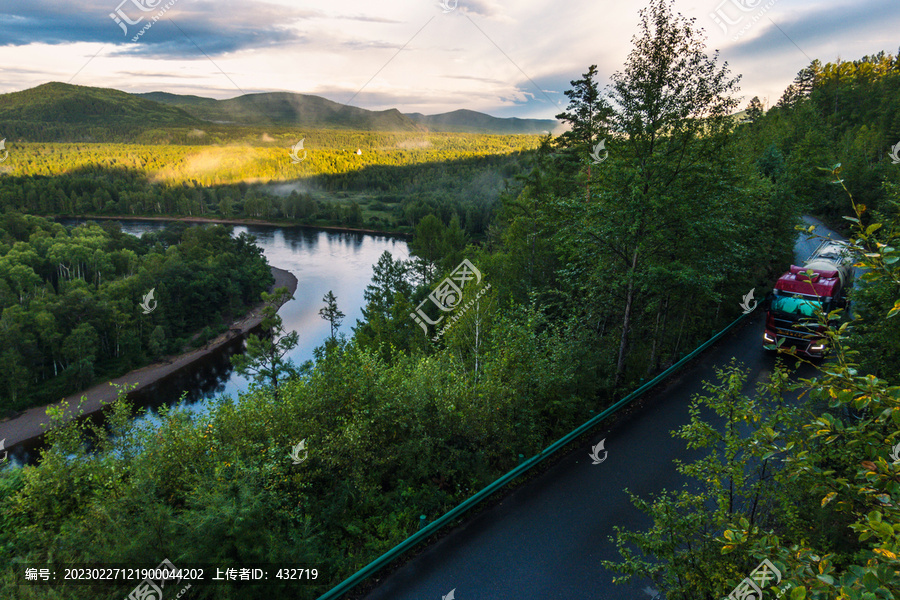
{"type": "Point", "coordinates": [795, 305]}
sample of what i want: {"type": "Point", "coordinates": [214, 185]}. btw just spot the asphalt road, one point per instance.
{"type": "Point", "coordinates": [545, 540]}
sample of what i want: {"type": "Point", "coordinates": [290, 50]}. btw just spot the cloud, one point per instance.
{"type": "Point", "coordinates": [367, 19]}
{"type": "Point", "coordinates": [471, 78]}
{"type": "Point", "coordinates": [789, 35]}
{"type": "Point", "coordinates": [805, 31]}
{"type": "Point", "coordinates": [485, 8]}
{"type": "Point", "coordinates": [151, 74]}
{"type": "Point", "coordinates": [185, 27]}
{"type": "Point", "coordinates": [504, 59]}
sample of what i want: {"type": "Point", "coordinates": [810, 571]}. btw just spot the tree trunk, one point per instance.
{"type": "Point", "coordinates": [678, 341]}
{"type": "Point", "coordinates": [477, 336]}
{"type": "Point", "coordinates": [626, 320]}
{"type": "Point", "coordinates": [660, 321]}
{"type": "Point", "coordinates": [588, 186]}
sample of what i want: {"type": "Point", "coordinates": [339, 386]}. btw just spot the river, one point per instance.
{"type": "Point", "coordinates": [320, 260]}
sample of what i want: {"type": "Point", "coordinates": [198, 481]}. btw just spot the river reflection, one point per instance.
{"type": "Point", "coordinates": [321, 261]}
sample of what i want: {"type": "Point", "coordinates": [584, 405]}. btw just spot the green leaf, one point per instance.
{"type": "Point", "coordinates": [873, 228]}
{"type": "Point", "coordinates": [798, 593]}
{"type": "Point", "coordinates": [828, 498]}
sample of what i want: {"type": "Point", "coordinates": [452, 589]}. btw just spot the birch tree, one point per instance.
{"type": "Point", "coordinates": [669, 118]}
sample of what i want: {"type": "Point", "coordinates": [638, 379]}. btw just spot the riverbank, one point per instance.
{"type": "Point", "coordinates": [31, 424]}
{"type": "Point", "coordinates": [220, 221]}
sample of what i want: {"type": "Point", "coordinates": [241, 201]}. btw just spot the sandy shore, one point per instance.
{"type": "Point", "coordinates": [31, 424]}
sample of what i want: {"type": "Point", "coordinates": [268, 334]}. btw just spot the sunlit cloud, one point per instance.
{"type": "Point", "coordinates": [500, 58]}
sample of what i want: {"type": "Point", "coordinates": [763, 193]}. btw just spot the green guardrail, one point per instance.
{"type": "Point", "coordinates": [524, 466]}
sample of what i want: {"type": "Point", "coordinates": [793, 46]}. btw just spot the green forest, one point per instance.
{"type": "Point", "coordinates": [70, 300]}
{"type": "Point", "coordinates": [398, 178]}
{"type": "Point", "coordinates": [601, 275]}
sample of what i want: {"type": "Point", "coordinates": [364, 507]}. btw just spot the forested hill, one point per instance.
{"type": "Point", "coordinates": [75, 104]}
{"type": "Point", "coordinates": [305, 110]}
{"type": "Point", "coordinates": [476, 122]}
{"type": "Point", "coordinates": [283, 108]}
{"type": "Point", "coordinates": [63, 112]}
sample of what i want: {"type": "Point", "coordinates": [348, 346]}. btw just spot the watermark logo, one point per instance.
{"type": "Point", "coordinates": [5, 453]}
{"type": "Point", "coordinates": [595, 155]}
{"type": "Point", "coordinates": [449, 596]}
{"type": "Point", "coordinates": [595, 453]}
{"type": "Point", "coordinates": [449, 6]}
{"type": "Point", "coordinates": [730, 13]}
{"type": "Point", "coordinates": [895, 455]}
{"type": "Point", "coordinates": [295, 158]}
{"type": "Point", "coordinates": [448, 295]}
{"type": "Point", "coordinates": [651, 592]}
{"type": "Point", "coordinates": [148, 588]}
{"type": "Point", "coordinates": [746, 303]}
{"type": "Point", "coordinates": [3, 148]}
{"type": "Point", "coordinates": [751, 587]}
{"type": "Point", "coordinates": [141, 6]}
{"type": "Point", "coordinates": [296, 450]}
{"type": "Point", "coordinates": [121, 18]}
{"type": "Point", "coordinates": [145, 305]}
{"type": "Point", "coordinates": [895, 153]}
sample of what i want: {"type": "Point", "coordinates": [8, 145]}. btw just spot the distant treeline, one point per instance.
{"type": "Point", "coordinates": [280, 138]}
{"type": "Point", "coordinates": [253, 155]}
{"type": "Point", "coordinates": [387, 197]}
{"type": "Point", "coordinates": [845, 112]}
{"type": "Point", "coordinates": [70, 300]}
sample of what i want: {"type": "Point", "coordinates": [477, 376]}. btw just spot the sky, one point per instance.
{"type": "Point", "coordinates": [505, 58]}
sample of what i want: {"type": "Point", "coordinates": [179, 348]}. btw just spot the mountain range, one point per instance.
{"type": "Point", "coordinates": [61, 103]}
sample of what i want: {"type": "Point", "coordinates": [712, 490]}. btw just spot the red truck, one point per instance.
{"type": "Point", "coordinates": [820, 284]}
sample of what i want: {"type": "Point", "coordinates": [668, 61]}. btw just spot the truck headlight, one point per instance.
{"type": "Point", "coordinates": [768, 338]}
{"type": "Point", "coordinates": [817, 348]}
